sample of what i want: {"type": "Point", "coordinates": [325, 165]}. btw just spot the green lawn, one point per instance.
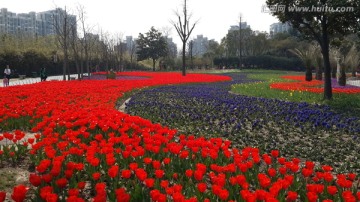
{"type": "Point", "coordinates": [340, 102]}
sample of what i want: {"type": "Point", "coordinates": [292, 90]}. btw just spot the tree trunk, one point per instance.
{"type": "Point", "coordinates": [353, 72]}
{"type": "Point", "coordinates": [308, 74]}
{"type": "Point", "coordinates": [77, 65]}
{"type": "Point", "coordinates": [342, 77]}
{"type": "Point", "coordinates": [68, 72]}
{"type": "Point", "coordinates": [65, 66]}
{"type": "Point", "coordinates": [87, 65]}
{"type": "Point", "coordinates": [327, 72]}
{"type": "Point", "coordinates": [318, 75]}
{"type": "Point", "coordinates": [64, 69]}
{"type": "Point", "coordinates": [333, 73]}
{"type": "Point", "coordinates": [131, 61]}
{"type": "Point", "coordinates": [154, 61]}
{"type": "Point", "coordinates": [325, 52]}
{"type": "Point", "coordinates": [183, 59]}
{"type": "Point", "coordinates": [82, 69]}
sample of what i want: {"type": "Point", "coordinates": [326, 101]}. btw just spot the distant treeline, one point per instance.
{"type": "Point", "coordinates": [30, 62]}
{"type": "Point", "coordinates": [262, 62]}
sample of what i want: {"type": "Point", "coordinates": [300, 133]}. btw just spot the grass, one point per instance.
{"type": "Point", "coordinates": [346, 103]}
{"type": "Point", "coordinates": [7, 179]}
{"type": "Point", "coordinates": [206, 110]}
{"type": "Point", "coordinates": [213, 71]}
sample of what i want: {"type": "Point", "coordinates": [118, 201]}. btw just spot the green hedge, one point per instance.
{"type": "Point", "coordinates": [263, 62]}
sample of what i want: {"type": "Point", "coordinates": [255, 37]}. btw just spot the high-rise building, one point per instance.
{"type": "Point", "coordinates": [279, 27]}
{"type": "Point", "coordinates": [171, 47]}
{"type": "Point", "coordinates": [130, 43]}
{"type": "Point", "coordinates": [200, 45]}
{"type": "Point", "coordinates": [32, 24]}
{"type": "Point", "coordinates": [242, 25]}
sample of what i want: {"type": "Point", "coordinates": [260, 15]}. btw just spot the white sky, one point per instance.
{"type": "Point", "coordinates": [131, 17]}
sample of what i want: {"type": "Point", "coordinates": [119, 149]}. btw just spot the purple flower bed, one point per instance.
{"type": "Point", "coordinates": [335, 84]}
{"type": "Point", "coordinates": [305, 130]}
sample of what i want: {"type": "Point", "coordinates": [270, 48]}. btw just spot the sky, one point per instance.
{"type": "Point", "coordinates": [131, 17]}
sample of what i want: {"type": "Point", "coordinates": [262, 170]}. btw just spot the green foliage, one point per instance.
{"type": "Point", "coordinates": [252, 43]}
{"type": "Point", "coordinates": [111, 75]}
{"type": "Point", "coordinates": [32, 61]}
{"type": "Point", "coordinates": [10, 58]}
{"type": "Point", "coordinates": [349, 103]}
{"type": "Point", "coordinates": [311, 23]}
{"type": "Point", "coordinates": [263, 62]}
{"type": "Point", "coordinates": [7, 179]}
{"type": "Point", "coordinates": [152, 45]}
{"type": "Point", "coordinates": [274, 62]}
{"type": "Point", "coordinates": [321, 26]}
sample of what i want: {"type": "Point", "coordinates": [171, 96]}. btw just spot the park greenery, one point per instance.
{"type": "Point", "coordinates": [234, 128]}
{"type": "Point", "coordinates": [290, 121]}
{"type": "Point", "coordinates": [82, 149]}
{"type": "Point", "coordinates": [152, 46]}
{"type": "Point", "coordinates": [346, 103]}
{"type": "Point", "coordinates": [321, 26]}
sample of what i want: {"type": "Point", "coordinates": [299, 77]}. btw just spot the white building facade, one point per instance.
{"type": "Point", "coordinates": [33, 24]}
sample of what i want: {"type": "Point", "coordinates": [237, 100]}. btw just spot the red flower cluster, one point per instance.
{"type": "Point", "coordinates": [86, 144]}
{"type": "Point", "coordinates": [314, 86]}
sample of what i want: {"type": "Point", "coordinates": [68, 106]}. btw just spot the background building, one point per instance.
{"type": "Point", "coordinates": [171, 47]}
{"type": "Point", "coordinates": [33, 24]}
{"type": "Point", "coordinates": [279, 27]}
{"type": "Point", "coordinates": [244, 25]}
{"type": "Point", "coordinates": [200, 45]}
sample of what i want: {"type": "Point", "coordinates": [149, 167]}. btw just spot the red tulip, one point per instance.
{"type": "Point", "coordinates": [2, 195]}
{"type": "Point", "coordinates": [62, 182]}
{"type": "Point", "coordinates": [149, 182]}
{"type": "Point", "coordinates": [159, 173]}
{"type": "Point", "coordinates": [332, 190]}
{"type": "Point", "coordinates": [312, 196]}
{"type": "Point", "coordinates": [126, 174]}
{"type": "Point", "coordinates": [291, 196]}
{"type": "Point", "coordinates": [35, 180]}
{"type": "Point", "coordinates": [202, 187]}
{"type": "Point", "coordinates": [19, 193]}
{"type": "Point", "coordinates": [113, 171]}
{"type": "Point", "coordinates": [96, 176]}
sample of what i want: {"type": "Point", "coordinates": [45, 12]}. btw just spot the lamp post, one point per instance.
{"type": "Point", "coordinates": [240, 58]}
{"type": "Point", "coordinates": [337, 68]}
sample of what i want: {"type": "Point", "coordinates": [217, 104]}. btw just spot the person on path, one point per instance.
{"type": "Point", "coordinates": [43, 74]}
{"type": "Point", "coordinates": [7, 73]}
{"type": "Point", "coordinates": [5, 82]}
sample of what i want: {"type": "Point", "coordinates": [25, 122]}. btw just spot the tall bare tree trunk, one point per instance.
{"type": "Point", "coordinates": [327, 68]}
{"type": "Point", "coordinates": [154, 62]}
{"type": "Point", "coordinates": [184, 31]}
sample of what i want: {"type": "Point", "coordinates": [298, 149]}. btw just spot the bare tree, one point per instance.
{"type": "Point", "coordinates": [76, 49]}
{"type": "Point", "coordinates": [184, 30]}
{"type": "Point", "coordinates": [86, 41]}
{"type": "Point", "coordinates": [132, 52]}
{"type": "Point", "coordinates": [62, 25]}
{"type": "Point", "coordinates": [191, 53]}
{"type": "Point", "coordinates": [105, 48]}
{"type": "Point", "coordinates": [119, 52]}
{"type": "Point", "coordinates": [351, 60]}
{"type": "Point", "coordinates": [169, 59]}
{"type": "Point", "coordinates": [333, 57]}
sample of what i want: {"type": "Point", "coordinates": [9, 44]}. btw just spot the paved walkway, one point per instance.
{"type": "Point", "coordinates": [354, 82]}
{"type": "Point", "coordinates": [17, 81]}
